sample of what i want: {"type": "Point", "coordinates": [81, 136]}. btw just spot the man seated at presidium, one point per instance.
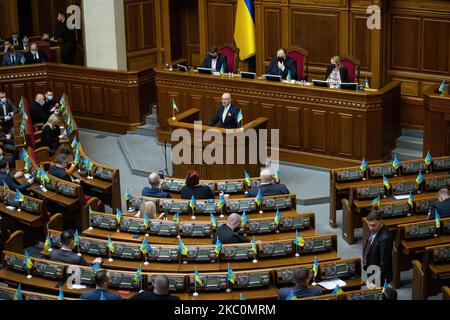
{"type": "Point", "coordinates": [267, 186]}
{"type": "Point", "coordinates": [442, 206]}
{"type": "Point", "coordinates": [282, 64]}
{"type": "Point", "coordinates": [336, 73]}
{"type": "Point", "coordinates": [227, 114]}
{"type": "Point", "coordinates": [301, 289]}
{"type": "Point", "coordinates": [215, 60]}
{"type": "Point", "coordinates": [228, 233]}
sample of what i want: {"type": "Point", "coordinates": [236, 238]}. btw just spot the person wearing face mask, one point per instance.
{"type": "Point", "coordinates": [7, 112]}
{"type": "Point", "coordinates": [215, 60]}
{"type": "Point", "coordinates": [7, 179]}
{"type": "Point", "coordinates": [336, 73]}
{"type": "Point", "coordinates": [35, 55]}
{"type": "Point", "coordinates": [228, 233]}
{"type": "Point", "coordinates": [68, 36]}
{"type": "Point", "coordinates": [50, 103]}
{"type": "Point", "coordinates": [13, 57]}
{"type": "Point", "coordinates": [282, 64]}
{"type": "Point", "coordinates": [38, 112]}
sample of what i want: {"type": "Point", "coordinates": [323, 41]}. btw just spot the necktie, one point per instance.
{"type": "Point", "coordinates": [13, 58]}
{"type": "Point", "coordinates": [224, 115]}
{"type": "Point", "coordinates": [367, 249]}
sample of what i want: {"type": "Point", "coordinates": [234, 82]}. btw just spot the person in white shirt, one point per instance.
{"type": "Point", "coordinates": [227, 114]}
{"type": "Point", "coordinates": [215, 60]}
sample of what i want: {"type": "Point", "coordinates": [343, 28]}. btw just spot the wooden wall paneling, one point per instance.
{"type": "Point", "coordinates": [360, 41]}
{"type": "Point", "coordinates": [319, 131]}
{"type": "Point", "coordinates": [271, 37]}
{"type": "Point", "coordinates": [344, 134]}
{"type": "Point", "coordinates": [436, 46]}
{"type": "Point", "coordinates": [194, 54]}
{"type": "Point", "coordinates": [292, 120]}
{"type": "Point", "coordinates": [405, 45]}
{"type": "Point", "coordinates": [220, 22]}
{"type": "Point", "coordinates": [9, 21]}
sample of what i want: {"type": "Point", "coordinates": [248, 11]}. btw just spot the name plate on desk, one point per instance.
{"type": "Point", "coordinates": [441, 164]}
{"type": "Point", "coordinates": [93, 247]}
{"type": "Point", "coordinates": [87, 277]}
{"type": "Point", "coordinates": [378, 171]}
{"type": "Point", "coordinates": [277, 203]}
{"type": "Point", "coordinates": [31, 206]}
{"type": "Point", "coordinates": [420, 230]}
{"type": "Point", "coordinates": [294, 223]}
{"type": "Point", "coordinates": [104, 221]}
{"type": "Point", "coordinates": [236, 252]}
{"type": "Point", "coordinates": [337, 270]}
{"type": "Point", "coordinates": [404, 187]}
{"type": "Point", "coordinates": [123, 280]}
{"type": "Point", "coordinates": [423, 206]}
{"type": "Point", "coordinates": [67, 190]}
{"type": "Point", "coordinates": [317, 244]}
{"type": "Point", "coordinates": [103, 173]}
{"type": "Point", "coordinates": [176, 282]}
{"type": "Point", "coordinates": [413, 166]}
{"type": "Point", "coordinates": [206, 206]}
{"type": "Point", "coordinates": [174, 206]}
{"type": "Point", "coordinates": [436, 183]}
{"type": "Point", "coordinates": [200, 254]}
{"type": "Point", "coordinates": [14, 262]}
{"type": "Point", "coordinates": [173, 185]}
{"type": "Point", "coordinates": [230, 187]}
{"type": "Point", "coordinates": [394, 210]}
{"type": "Point", "coordinates": [285, 276]}
{"type": "Point", "coordinates": [133, 225]}
{"type": "Point", "coordinates": [163, 228]}
{"type": "Point", "coordinates": [370, 191]}
{"type": "Point", "coordinates": [275, 249]}
{"type": "Point", "coordinates": [164, 253]}
{"type": "Point", "coordinates": [368, 295]}
{"type": "Point", "coordinates": [241, 205]}
{"type": "Point", "coordinates": [251, 280]}
{"type": "Point", "coordinates": [127, 251]}
{"type": "Point", "coordinates": [210, 282]}
{"type": "Point", "coordinates": [349, 175]}
{"type": "Point", "coordinates": [48, 270]}
{"type": "Point", "coordinates": [441, 254]}
{"type": "Point", "coordinates": [195, 229]}
{"type": "Point", "coordinates": [262, 225]}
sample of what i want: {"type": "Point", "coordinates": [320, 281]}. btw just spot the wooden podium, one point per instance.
{"type": "Point", "coordinates": [199, 145]}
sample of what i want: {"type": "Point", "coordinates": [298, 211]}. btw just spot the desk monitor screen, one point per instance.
{"type": "Point", "coordinates": [320, 83]}
{"type": "Point", "coordinates": [300, 222]}
{"type": "Point", "coordinates": [6, 295]}
{"type": "Point", "coordinates": [87, 277]}
{"type": "Point", "coordinates": [271, 77]}
{"type": "Point", "coordinates": [30, 206]}
{"type": "Point", "coordinates": [248, 75]}
{"type": "Point", "coordinates": [11, 199]}
{"type": "Point", "coordinates": [441, 164]}
{"type": "Point", "coordinates": [67, 190]}
{"type": "Point", "coordinates": [240, 251]}
{"type": "Point", "coordinates": [365, 296]}
{"type": "Point", "coordinates": [205, 70]}
{"type": "Point", "coordinates": [426, 229]}
{"type": "Point", "coordinates": [279, 248]}
{"type": "Point", "coordinates": [103, 173]}
{"type": "Point", "coordinates": [349, 86]}
{"type": "Point", "coordinates": [210, 207]}
{"type": "Point", "coordinates": [264, 226]}
{"type": "Point", "coordinates": [164, 228]}
{"type": "Point", "coordinates": [182, 67]}
{"type": "Point", "coordinates": [212, 283]}
{"type": "Point", "coordinates": [164, 253]}
{"type": "Point", "coordinates": [203, 254]}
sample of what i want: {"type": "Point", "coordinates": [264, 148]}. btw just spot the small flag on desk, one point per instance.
{"type": "Point", "coordinates": [315, 266]}
{"type": "Point", "coordinates": [437, 220]}
{"type": "Point", "coordinates": [396, 163]}
{"type": "Point", "coordinates": [410, 199]}
{"type": "Point", "coordinates": [198, 278]}
{"type": "Point", "coordinates": [259, 198]}
{"type": "Point", "coordinates": [18, 294]}
{"type": "Point", "coordinates": [21, 105]}
{"type": "Point", "coordinates": [27, 261]}
{"type": "Point", "coordinates": [24, 155]}
{"type": "Point", "coordinates": [27, 165]}
{"type": "Point", "coordinates": [222, 70]}
{"type": "Point", "coordinates": [428, 159]}
{"type": "Point", "coordinates": [230, 275]}
{"type": "Point", "coordinates": [366, 83]}
{"type": "Point", "coordinates": [145, 246]}
{"type": "Point", "coordinates": [254, 246]}
{"type": "Point", "coordinates": [47, 243]}
{"type": "Point", "coordinates": [174, 106]}
{"type": "Point", "coordinates": [386, 183]}
{"type": "Point", "coordinates": [111, 245]}
{"type": "Point", "coordinates": [277, 176]}
{"type": "Point", "coordinates": [23, 60]}
{"type": "Point", "coordinates": [385, 286]}
{"type": "Point", "coordinates": [240, 118]}
{"type": "Point", "coordinates": [277, 218]}
{"type": "Point", "coordinates": [76, 238]}
{"type": "Point", "coordinates": [193, 203]}
{"type": "Point", "coordinates": [69, 120]}
{"type": "Point", "coordinates": [138, 275]}
{"type": "Point", "coordinates": [244, 221]}
{"type": "Point", "coordinates": [146, 220]}
{"type": "Point", "coordinates": [442, 87]}
{"type": "Point", "coordinates": [74, 143]}
{"type": "Point", "coordinates": [118, 216]}
{"type": "Point", "coordinates": [363, 166]}
{"type": "Point", "coordinates": [95, 267]}
{"type": "Point", "coordinates": [337, 290]}
{"type": "Point", "coordinates": [19, 196]}
{"type": "Point", "coordinates": [218, 246]}
{"type": "Point", "coordinates": [289, 76]}
{"type": "Point", "coordinates": [176, 217]}
{"type": "Point", "coordinates": [242, 297]}
{"type": "Point", "coordinates": [182, 247]}
{"type": "Point", "coordinates": [247, 179]}
{"type": "Point", "coordinates": [298, 240]}
{"type": "Point", "coordinates": [128, 196]}
{"type": "Point", "coordinates": [375, 201]}
{"type": "Point", "coordinates": [62, 103]}
{"type": "Point", "coordinates": [61, 294]}
{"type": "Point", "coordinates": [213, 221]}
{"type": "Point", "coordinates": [420, 178]}
{"type": "Point", "coordinates": [221, 202]}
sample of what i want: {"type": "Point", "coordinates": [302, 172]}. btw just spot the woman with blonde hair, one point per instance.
{"type": "Point", "coordinates": [149, 207]}
{"type": "Point", "coordinates": [51, 133]}
{"type": "Point", "coordinates": [336, 73]}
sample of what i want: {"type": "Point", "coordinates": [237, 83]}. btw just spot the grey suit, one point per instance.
{"type": "Point", "coordinates": [67, 256]}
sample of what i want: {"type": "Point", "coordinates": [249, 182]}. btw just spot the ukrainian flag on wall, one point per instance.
{"type": "Point", "coordinates": [244, 31]}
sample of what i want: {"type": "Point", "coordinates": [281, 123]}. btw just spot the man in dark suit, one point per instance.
{"type": "Point", "coordinates": [7, 111]}
{"type": "Point", "coordinates": [35, 55]}
{"type": "Point", "coordinates": [160, 291]}
{"type": "Point", "coordinates": [7, 179]}
{"type": "Point", "coordinates": [59, 168]}
{"type": "Point", "coordinates": [267, 186]}
{"type": "Point", "coordinates": [38, 113]}
{"type": "Point", "coordinates": [378, 248]}
{"type": "Point", "coordinates": [25, 44]}
{"type": "Point", "coordinates": [50, 102]}
{"type": "Point", "coordinates": [442, 207]}
{"type": "Point", "coordinates": [13, 58]}
{"type": "Point", "coordinates": [15, 40]}
{"type": "Point", "coordinates": [155, 190]}
{"type": "Point", "coordinates": [301, 290]}
{"type": "Point", "coordinates": [227, 233]}
{"type": "Point", "coordinates": [336, 72]}
{"type": "Point", "coordinates": [68, 36]}
{"type": "Point", "coordinates": [66, 255]}
{"type": "Point", "coordinates": [282, 64]}
{"type": "Point", "coordinates": [227, 114]}
{"type": "Point", "coordinates": [215, 60]}
{"type": "Point", "coordinates": [101, 290]}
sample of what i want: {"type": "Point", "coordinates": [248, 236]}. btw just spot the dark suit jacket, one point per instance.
{"type": "Point", "coordinates": [67, 35]}
{"type": "Point", "coordinates": [443, 208]}
{"type": "Point", "coordinates": [10, 107]}
{"type": "Point", "coordinates": [268, 190]}
{"type": "Point", "coordinates": [7, 61]}
{"type": "Point", "coordinates": [38, 113]}
{"type": "Point", "coordinates": [19, 42]}
{"type": "Point", "coordinates": [231, 119]}
{"type": "Point", "coordinates": [50, 137]}
{"type": "Point", "coordinates": [97, 293]}
{"type": "Point", "coordinates": [226, 235]}
{"type": "Point", "coordinates": [155, 193]}
{"type": "Point", "coordinates": [380, 253]}
{"type": "Point", "coordinates": [13, 184]}
{"type": "Point", "coordinates": [299, 291]}
{"type": "Point", "coordinates": [199, 192]}
{"type": "Point", "coordinates": [66, 256]}
{"type": "Point", "coordinates": [221, 60]}
{"type": "Point", "coordinates": [30, 58]}
{"type": "Point", "coordinates": [342, 71]}
{"type": "Point", "coordinates": [153, 296]}
{"type": "Point", "coordinates": [59, 173]}
{"type": "Point", "coordinates": [289, 63]}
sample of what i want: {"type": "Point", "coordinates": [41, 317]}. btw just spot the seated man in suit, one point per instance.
{"type": "Point", "coordinates": [15, 39]}
{"type": "Point", "coordinates": [25, 44]}
{"type": "Point", "coordinates": [442, 207]}
{"type": "Point", "coordinates": [5, 46]}
{"type": "Point", "coordinates": [7, 179]}
{"type": "Point", "coordinates": [300, 290]}
{"type": "Point", "coordinates": [7, 111]}
{"type": "Point", "coordinates": [66, 255]}
{"type": "Point", "coordinates": [51, 105]}
{"type": "Point", "coordinates": [160, 291]}
{"type": "Point", "coordinates": [227, 114]}
{"type": "Point", "coordinates": [8, 146]}
{"type": "Point", "coordinates": [101, 291]}
{"type": "Point", "coordinates": [13, 58]}
{"type": "Point", "coordinates": [336, 73]}
{"type": "Point", "coordinates": [155, 190]}
{"type": "Point", "coordinates": [38, 112]}
{"type": "Point", "coordinates": [267, 186]}
{"type": "Point", "coordinates": [215, 60]}
{"type": "Point", "coordinates": [35, 55]}
{"type": "Point", "coordinates": [228, 233]}
{"type": "Point", "coordinates": [377, 250]}
{"type": "Point", "coordinates": [282, 64]}
{"type": "Point", "coordinates": [59, 168]}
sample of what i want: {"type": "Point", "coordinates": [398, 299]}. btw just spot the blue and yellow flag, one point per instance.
{"type": "Point", "coordinates": [277, 218]}
{"type": "Point", "coordinates": [221, 202]}
{"type": "Point", "coordinates": [176, 217]}
{"type": "Point", "coordinates": [18, 294]}
{"type": "Point", "coordinates": [19, 196]}
{"type": "Point", "coordinates": [289, 76]}
{"type": "Point", "coordinates": [62, 103]}
{"type": "Point", "coordinates": [230, 275]}
{"type": "Point", "coordinates": [128, 196]}
{"type": "Point", "coordinates": [428, 159]}
{"type": "Point", "coordinates": [70, 128]}
{"type": "Point", "coordinates": [47, 243]}
{"type": "Point", "coordinates": [437, 220]}
{"type": "Point", "coordinates": [218, 247]}
{"type": "Point", "coordinates": [182, 247]}
{"type": "Point", "coordinates": [197, 277]}
{"type": "Point", "coordinates": [21, 105]}
{"type": "Point", "coordinates": [410, 200]}
{"type": "Point", "coordinates": [146, 220]}
{"type": "Point", "coordinates": [298, 240]}
{"type": "Point", "coordinates": [145, 246]}
{"type": "Point", "coordinates": [118, 215]}
{"type": "Point", "coordinates": [27, 165]}
{"type": "Point", "coordinates": [111, 245]}
{"type": "Point", "coordinates": [259, 198]}
{"type": "Point", "coordinates": [277, 176]}
{"type": "Point", "coordinates": [396, 163]}
{"type": "Point", "coordinates": [76, 238]}
{"type": "Point", "coordinates": [193, 203]}
{"type": "Point", "coordinates": [240, 118]}
{"type": "Point", "coordinates": [386, 183]}
{"type": "Point", "coordinates": [337, 290]}
{"type": "Point", "coordinates": [95, 267]}
{"type": "Point", "coordinates": [420, 178]}
{"type": "Point", "coordinates": [61, 294]}
{"type": "Point", "coordinates": [213, 220]}
{"type": "Point", "coordinates": [244, 29]}
{"type": "Point", "coordinates": [254, 245]}
{"type": "Point", "coordinates": [247, 179]}
{"type": "Point", "coordinates": [315, 267]}
{"type": "Point", "coordinates": [174, 106]}
{"type": "Point", "coordinates": [385, 286]}
{"type": "Point", "coordinates": [375, 201]}
{"type": "Point", "coordinates": [138, 275]}
{"type": "Point", "coordinates": [292, 296]}
{"type": "Point", "coordinates": [77, 158]}
{"type": "Point", "coordinates": [222, 70]}
{"type": "Point", "coordinates": [244, 221]}
{"type": "Point", "coordinates": [366, 83]}
{"type": "Point", "coordinates": [69, 120]}
{"type": "Point", "coordinates": [24, 155]}
{"type": "Point", "coordinates": [27, 261]}
{"type": "Point", "coordinates": [363, 166]}
{"type": "Point", "coordinates": [102, 296]}
{"type": "Point", "coordinates": [442, 87]}
{"type": "Point", "coordinates": [74, 144]}
{"type": "Point", "coordinates": [242, 297]}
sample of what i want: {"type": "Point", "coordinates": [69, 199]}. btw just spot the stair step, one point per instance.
{"type": "Point", "coordinates": [410, 143]}
{"type": "Point", "coordinates": [146, 130]}
{"type": "Point", "coordinates": [154, 109]}
{"type": "Point", "coordinates": [406, 154]}
{"type": "Point", "coordinates": [412, 133]}
{"type": "Point", "coordinates": [151, 119]}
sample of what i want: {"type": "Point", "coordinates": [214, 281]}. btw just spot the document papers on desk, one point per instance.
{"type": "Point", "coordinates": [78, 286]}
{"type": "Point", "coordinates": [401, 197]}
{"type": "Point", "coordinates": [331, 284]}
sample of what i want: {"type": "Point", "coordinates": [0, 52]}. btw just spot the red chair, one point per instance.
{"type": "Point", "coordinates": [300, 55]}
{"type": "Point", "coordinates": [232, 53]}
{"type": "Point", "coordinates": [352, 66]}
